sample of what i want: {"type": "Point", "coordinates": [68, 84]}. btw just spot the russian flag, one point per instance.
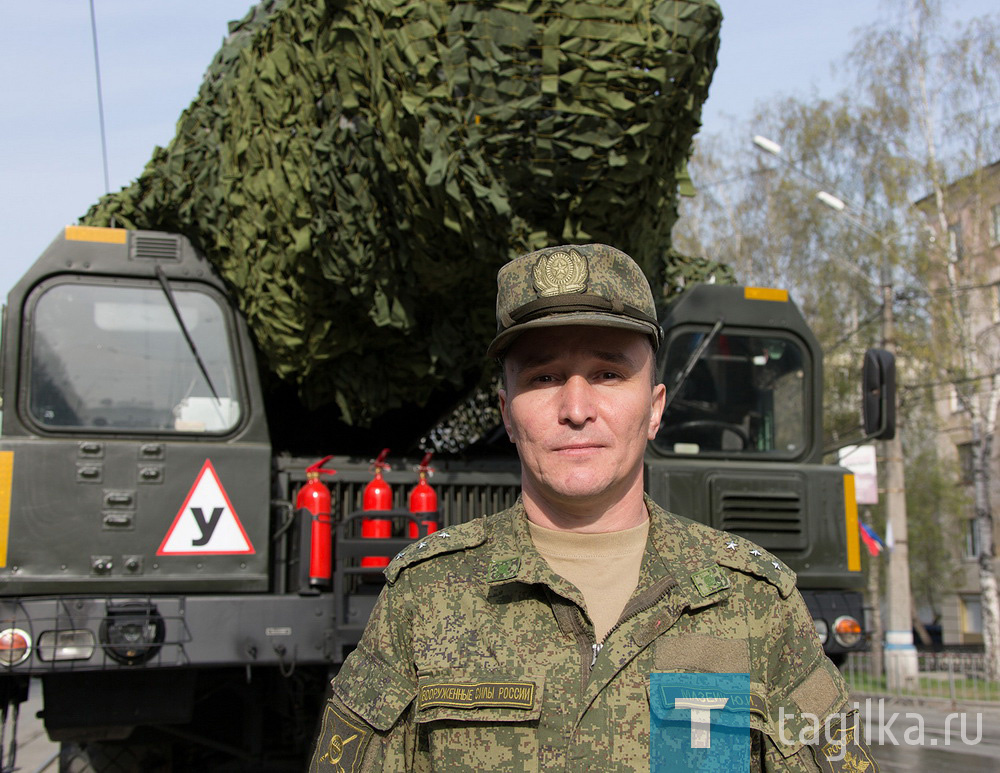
{"type": "Point", "coordinates": [872, 541]}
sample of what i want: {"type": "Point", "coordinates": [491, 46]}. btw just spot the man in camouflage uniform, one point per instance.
{"type": "Point", "coordinates": [520, 641]}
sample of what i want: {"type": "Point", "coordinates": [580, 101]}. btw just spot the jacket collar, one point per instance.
{"type": "Point", "coordinates": [676, 559]}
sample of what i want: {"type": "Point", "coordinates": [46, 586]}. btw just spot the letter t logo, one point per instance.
{"type": "Point", "coordinates": [701, 718]}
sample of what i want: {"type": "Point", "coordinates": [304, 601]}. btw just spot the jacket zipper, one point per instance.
{"type": "Point", "coordinates": [636, 609]}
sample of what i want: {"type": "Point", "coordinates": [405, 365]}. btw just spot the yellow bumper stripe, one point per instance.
{"type": "Point", "coordinates": [851, 517]}
{"type": "Point", "coordinates": [6, 481]}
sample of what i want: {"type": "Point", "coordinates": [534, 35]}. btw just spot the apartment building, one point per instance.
{"type": "Point", "coordinates": [972, 237]}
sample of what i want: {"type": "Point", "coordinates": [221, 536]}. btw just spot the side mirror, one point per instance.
{"type": "Point", "coordinates": [878, 389]}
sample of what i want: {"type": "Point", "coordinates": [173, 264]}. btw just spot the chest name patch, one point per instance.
{"type": "Point", "coordinates": [478, 695]}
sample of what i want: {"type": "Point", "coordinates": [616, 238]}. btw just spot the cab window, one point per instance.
{"type": "Point", "coordinates": [745, 395]}
{"type": "Point", "coordinates": [116, 358]}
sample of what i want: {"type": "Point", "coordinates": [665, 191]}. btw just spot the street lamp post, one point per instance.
{"type": "Point", "coordinates": [900, 653]}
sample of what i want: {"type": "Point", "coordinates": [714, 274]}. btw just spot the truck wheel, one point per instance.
{"type": "Point", "coordinates": [113, 758]}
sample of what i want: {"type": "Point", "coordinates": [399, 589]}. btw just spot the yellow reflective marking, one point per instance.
{"type": "Point", "coordinates": [851, 517]}
{"type": "Point", "coordinates": [6, 480]}
{"type": "Point", "coordinates": [765, 294]}
{"type": "Point", "coordinates": [89, 233]}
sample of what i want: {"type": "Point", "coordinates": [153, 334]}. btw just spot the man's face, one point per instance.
{"type": "Point", "coordinates": [579, 403]}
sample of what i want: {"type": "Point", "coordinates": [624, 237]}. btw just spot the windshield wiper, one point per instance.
{"type": "Point", "coordinates": [692, 361]}
{"type": "Point", "coordinates": [162, 279]}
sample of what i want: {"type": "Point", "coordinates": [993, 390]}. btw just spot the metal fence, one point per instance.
{"type": "Point", "coordinates": [955, 676]}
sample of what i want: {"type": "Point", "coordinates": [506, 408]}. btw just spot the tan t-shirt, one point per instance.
{"type": "Point", "coordinates": [605, 567]}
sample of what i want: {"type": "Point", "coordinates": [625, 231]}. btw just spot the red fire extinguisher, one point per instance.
{"type": "Point", "coordinates": [377, 496]}
{"type": "Point", "coordinates": [314, 496]}
{"type": "Point", "coordinates": [423, 499]}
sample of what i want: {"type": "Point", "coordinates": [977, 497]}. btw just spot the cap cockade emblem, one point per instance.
{"type": "Point", "coordinates": [559, 273]}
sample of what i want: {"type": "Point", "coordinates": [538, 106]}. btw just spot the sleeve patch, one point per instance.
{"type": "Point", "coordinates": [372, 690]}
{"type": "Point", "coordinates": [342, 743]}
{"type": "Point", "coordinates": [842, 750]}
{"type": "Point", "coordinates": [818, 694]}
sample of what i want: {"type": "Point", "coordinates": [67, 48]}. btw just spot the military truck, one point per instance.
{"type": "Point", "coordinates": [156, 571]}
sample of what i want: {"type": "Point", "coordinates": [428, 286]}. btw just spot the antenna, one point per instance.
{"type": "Point", "coordinates": [100, 99]}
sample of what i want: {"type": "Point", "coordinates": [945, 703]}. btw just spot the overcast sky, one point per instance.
{"type": "Point", "coordinates": [153, 56]}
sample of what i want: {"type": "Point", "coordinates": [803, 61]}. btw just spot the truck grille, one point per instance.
{"type": "Point", "coordinates": [155, 248]}
{"type": "Point", "coordinates": [767, 512]}
{"type": "Point", "coordinates": [458, 501]}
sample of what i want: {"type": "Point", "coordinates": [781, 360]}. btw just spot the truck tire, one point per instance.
{"type": "Point", "coordinates": [113, 758]}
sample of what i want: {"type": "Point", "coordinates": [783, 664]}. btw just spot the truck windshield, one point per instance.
{"type": "Point", "coordinates": [745, 395]}
{"type": "Point", "coordinates": [115, 358]}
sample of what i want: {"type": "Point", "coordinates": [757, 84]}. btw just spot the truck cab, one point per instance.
{"type": "Point", "coordinates": [740, 446]}
{"type": "Point", "coordinates": [142, 583]}
{"type": "Point", "coordinates": [125, 393]}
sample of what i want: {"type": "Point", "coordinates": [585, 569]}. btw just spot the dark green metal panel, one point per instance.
{"type": "Point", "coordinates": [92, 504]}
{"type": "Point", "coordinates": [794, 507]}
{"type": "Point", "coordinates": [82, 523]}
{"type": "Point", "coordinates": [794, 511]}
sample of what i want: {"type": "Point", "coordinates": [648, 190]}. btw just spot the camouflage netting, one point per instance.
{"type": "Point", "coordinates": [358, 169]}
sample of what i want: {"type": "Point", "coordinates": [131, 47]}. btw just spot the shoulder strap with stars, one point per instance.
{"type": "Point", "coordinates": [744, 556]}
{"type": "Point", "coordinates": [448, 540]}
{"type": "Point", "coordinates": [688, 547]}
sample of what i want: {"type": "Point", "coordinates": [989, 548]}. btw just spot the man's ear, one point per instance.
{"type": "Point", "coordinates": [656, 409]}
{"type": "Point", "coordinates": [505, 413]}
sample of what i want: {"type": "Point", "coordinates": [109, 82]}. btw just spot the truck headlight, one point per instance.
{"type": "Point", "coordinates": [822, 629]}
{"type": "Point", "coordinates": [132, 632]}
{"type": "Point", "coordinates": [77, 644]}
{"type": "Point", "coordinates": [847, 631]}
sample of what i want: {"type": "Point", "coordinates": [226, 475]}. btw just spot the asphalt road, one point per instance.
{"type": "Point", "coordinates": [925, 739]}
{"type": "Point", "coordinates": [35, 752]}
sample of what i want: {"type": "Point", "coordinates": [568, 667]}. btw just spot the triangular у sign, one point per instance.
{"type": "Point", "coordinates": [206, 524]}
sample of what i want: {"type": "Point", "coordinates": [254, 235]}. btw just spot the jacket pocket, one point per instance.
{"type": "Point", "coordinates": [717, 718]}
{"type": "Point", "coordinates": [480, 719]}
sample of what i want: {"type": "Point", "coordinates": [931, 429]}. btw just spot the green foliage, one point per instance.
{"type": "Point", "coordinates": [934, 506]}
{"type": "Point", "coordinates": [683, 270]}
{"type": "Point", "coordinates": [358, 170]}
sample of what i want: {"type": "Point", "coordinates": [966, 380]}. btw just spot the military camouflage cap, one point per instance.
{"type": "Point", "coordinates": [574, 284]}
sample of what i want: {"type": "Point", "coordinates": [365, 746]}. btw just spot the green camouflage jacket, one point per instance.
{"type": "Point", "coordinates": [478, 656]}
